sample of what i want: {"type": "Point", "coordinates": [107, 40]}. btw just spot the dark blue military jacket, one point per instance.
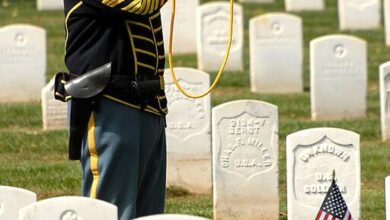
{"type": "Point", "coordinates": [127, 33]}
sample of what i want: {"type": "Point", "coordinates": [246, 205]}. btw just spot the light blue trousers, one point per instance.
{"type": "Point", "coordinates": [123, 159]}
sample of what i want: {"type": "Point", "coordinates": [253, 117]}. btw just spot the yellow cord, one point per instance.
{"type": "Point", "coordinates": [222, 68]}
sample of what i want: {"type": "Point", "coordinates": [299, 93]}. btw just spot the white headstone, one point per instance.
{"type": "Point", "coordinates": [258, 1]}
{"type": "Point", "coordinates": [212, 29]}
{"type": "Point", "coordinates": [12, 199]}
{"type": "Point", "coordinates": [384, 90]}
{"type": "Point", "coordinates": [386, 8]}
{"type": "Point", "coordinates": [54, 112]}
{"type": "Point", "coordinates": [50, 5]}
{"type": "Point", "coordinates": [338, 77]}
{"type": "Point", "coordinates": [22, 62]}
{"type": "Point", "coordinates": [69, 208]}
{"type": "Point", "coordinates": [188, 131]}
{"type": "Point", "coordinates": [359, 14]}
{"type": "Point", "coordinates": [245, 160]}
{"type": "Point", "coordinates": [304, 5]}
{"type": "Point", "coordinates": [171, 217]}
{"type": "Point", "coordinates": [387, 187]}
{"type": "Point", "coordinates": [276, 53]}
{"type": "Point", "coordinates": [184, 37]}
{"type": "Point", "coordinates": [312, 155]}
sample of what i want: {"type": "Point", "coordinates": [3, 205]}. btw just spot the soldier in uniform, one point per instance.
{"type": "Point", "coordinates": [121, 131]}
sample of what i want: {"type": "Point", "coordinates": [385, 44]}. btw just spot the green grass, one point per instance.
{"type": "Point", "coordinates": [37, 160]}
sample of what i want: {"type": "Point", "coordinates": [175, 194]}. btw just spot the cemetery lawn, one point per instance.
{"type": "Point", "coordinates": [37, 160]}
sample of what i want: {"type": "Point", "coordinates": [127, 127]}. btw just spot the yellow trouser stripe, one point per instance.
{"type": "Point", "coordinates": [94, 157]}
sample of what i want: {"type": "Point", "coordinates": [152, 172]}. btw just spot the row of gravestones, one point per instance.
{"type": "Point", "coordinates": [338, 63]}
{"type": "Point", "coordinates": [338, 70]}
{"type": "Point", "coordinates": [270, 33]}
{"type": "Point", "coordinates": [276, 56]}
{"type": "Point", "coordinates": [188, 124]}
{"type": "Point", "coordinates": [16, 203]}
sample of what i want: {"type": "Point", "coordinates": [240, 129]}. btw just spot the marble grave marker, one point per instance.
{"type": "Point", "coordinates": [184, 37]}
{"type": "Point", "coordinates": [257, 1]}
{"type": "Point", "coordinates": [276, 53]}
{"type": "Point", "coordinates": [54, 112]}
{"type": "Point", "coordinates": [12, 199]}
{"type": "Point", "coordinates": [338, 77]}
{"type": "Point", "coordinates": [189, 131]}
{"type": "Point", "coordinates": [312, 155]}
{"type": "Point", "coordinates": [212, 30]}
{"type": "Point", "coordinates": [386, 8]}
{"type": "Point", "coordinates": [384, 92]}
{"type": "Point", "coordinates": [43, 5]}
{"type": "Point", "coordinates": [22, 62]}
{"type": "Point", "coordinates": [69, 207]}
{"type": "Point", "coordinates": [245, 160]}
{"type": "Point", "coordinates": [359, 14]}
{"type": "Point", "coordinates": [304, 5]}
{"type": "Point", "coordinates": [387, 197]}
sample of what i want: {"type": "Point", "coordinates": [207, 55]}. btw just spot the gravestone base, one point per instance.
{"type": "Point", "coordinates": [257, 1]}
{"type": "Point", "coordinates": [345, 116]}
{"type": "Point", "coordinates": [266, 211]}
{"type": "Point", "coordinates": [193, 175]}
{"type": "Point", "coordinates": [232, 208]}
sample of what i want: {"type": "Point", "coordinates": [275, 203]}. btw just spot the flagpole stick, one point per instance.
{"type": "Point", "coordinates": [333, 174]}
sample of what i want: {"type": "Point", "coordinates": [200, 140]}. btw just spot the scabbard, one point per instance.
{"type": "Point", "coordinates": [79, 114]}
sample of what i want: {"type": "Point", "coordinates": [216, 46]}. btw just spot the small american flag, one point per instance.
{"type": "Point", "coordinates": [334, 206]}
